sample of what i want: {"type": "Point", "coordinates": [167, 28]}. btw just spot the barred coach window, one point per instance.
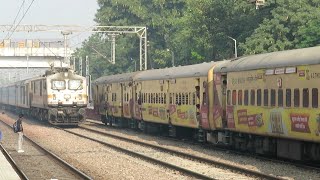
{"type": "Point", "coordinates": [252, 97]}
{"type": "Point", "coordinates": [266, 97]}
{"type": "Point", "coordinates": [273, 97]}
{"type": "Point", "coordinates": [305, 97]}
{"type": "Point", "coordinates": [259, 97]}
{"type": "Point", "coordinates": [240, 97]}
{"type": "Point", "coordinates": [288, 97]}
{"type": "Point", "coordinates": [280, 97]}
{"type": "Point", "coordinates": [246, 97]}
{"type": "Point", "coordinates": [296, 97]}
{"type": "Point", "coordinates": [228, 97]}
{"type": "Point", "coordinates": [315, 97]}
{"type": "Point", "coordinates": [234, 97]}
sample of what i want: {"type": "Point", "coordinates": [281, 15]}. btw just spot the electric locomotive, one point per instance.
{"type": "Point", "coordinates": [59, 97]}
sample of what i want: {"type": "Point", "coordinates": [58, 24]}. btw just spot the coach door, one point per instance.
{"type": "Point", "coordinates": [121, 98]}
{"type": "Point", "coordinates": [223, 98]}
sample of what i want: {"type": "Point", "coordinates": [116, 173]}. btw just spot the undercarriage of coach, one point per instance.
{"type": "Point", "coordinates": [66, 115]}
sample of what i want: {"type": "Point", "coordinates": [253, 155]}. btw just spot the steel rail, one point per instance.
{"type": "Point", "coordinates": [20, 173]}
{"type": "Point", "coordinates": [147, 158]}
{"type": "Point", "coordinates": [192, 157]}
{"type": "Point", "coordinates": [72, 168]}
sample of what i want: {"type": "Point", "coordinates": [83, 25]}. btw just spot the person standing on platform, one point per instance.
{"type": "Point", "coordinates": [20, 133]}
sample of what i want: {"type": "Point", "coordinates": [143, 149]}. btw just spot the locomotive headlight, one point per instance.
{"type": "Point", "coordinates": [54, 97]}
{"type": "Point", "coordinates": [80, 96]}
{"type": "Point", "coordinates": [67, 96]}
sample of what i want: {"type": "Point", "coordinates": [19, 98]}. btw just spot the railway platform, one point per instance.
{"type": "Point", "coordinates": [7, 172]}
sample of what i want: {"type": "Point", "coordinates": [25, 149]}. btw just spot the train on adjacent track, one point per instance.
{"type": "Point", "coordinates": [59, 97]}
{"type": "Point", "coordinates": [266, 103]}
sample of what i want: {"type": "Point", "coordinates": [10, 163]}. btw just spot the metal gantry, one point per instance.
{"type": "Point", "coordinates": [109, 30]}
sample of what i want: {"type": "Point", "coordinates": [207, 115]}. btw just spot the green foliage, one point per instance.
{"type": "Point", "coordinates": [189, 31]}
{"type": "Point", "coordinates": [293, 24]}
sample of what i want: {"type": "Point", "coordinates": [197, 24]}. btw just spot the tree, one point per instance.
{"type": "Point", "coordinates": [293, 24]}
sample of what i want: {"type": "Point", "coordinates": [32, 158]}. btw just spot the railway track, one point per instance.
{"type": "Point", "coordinates": [51, 160]}
{"type": "Point", "coordinates": [193, 160]}
{"type": "Point", "coordinates": [19, 171]}
{"type": "Point", "coordinates": [304, 165]}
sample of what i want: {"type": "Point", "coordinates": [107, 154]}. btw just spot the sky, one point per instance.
{"type": "Point", "coordinates": [49, 12]}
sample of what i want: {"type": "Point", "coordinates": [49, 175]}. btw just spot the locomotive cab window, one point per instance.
{"type": "Point", "coordinates": [75, 84]}
{"type": "Point", "coordinates": [58, 85]}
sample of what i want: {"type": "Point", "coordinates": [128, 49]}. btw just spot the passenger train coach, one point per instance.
{"type": "Point", "coordinates": [266, 103]}
{"type": "Point", "coordinates": [59, 97]}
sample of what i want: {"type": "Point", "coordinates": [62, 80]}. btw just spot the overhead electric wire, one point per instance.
{"type": "Point", "coordinates": [20, 19]}
{"type": "Point", "coordinates": [14, 21]}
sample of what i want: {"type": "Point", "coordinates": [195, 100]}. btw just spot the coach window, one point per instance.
{"type": "Point", "coordinates": [259, 97]}
{"type": "Point", "coordinates": [234, 97]}
{"type": "Point", "coordinates": [280, 97]}
{"type": "Point", "coordinates": [273, 97]}
{"type": "Point", "coordinates": [288, 97]}
{"type": "Point", "coordinates": [228, 97]}
{"type": "Point", "coordinates": [182, 98]}
{"type": "Point", "coordinates": [165, 98]}
{"type": "Point", "coordinates": [177, 99]}
{"type": "Point", "coordinates": [246, 97]}
{"type": "Point", "coordinates": [252, 97]}
{"type": "Point", "coordinates": [266, 97]}
{"type": "Point", "coordinates": [194, 99]}
{"type": "Point", "coordinates": [157, 98]}
{"type": "Point", "coordinates": [305, 97]}
{"type": "Point", "coordinates": [162, 98]}
{"type": "Point", "coordinates": [315, 98]}
{"type": "Point", "coordinates": [296, 97]}
{"type": "Point", "coordinates": [240, 97]}
{"type": "Point", "coordinates": [187, 98]}
{"type": "Point", "coordinates": [40, 88]}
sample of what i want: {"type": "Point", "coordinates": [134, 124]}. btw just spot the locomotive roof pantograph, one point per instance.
{"type": "Point", "coordinates": [305, 56]}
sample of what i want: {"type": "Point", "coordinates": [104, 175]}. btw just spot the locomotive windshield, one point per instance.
{"type": "Point", "coordinates": [58, 85]}
{"type": "Point", "coordinates": [75, 84]}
